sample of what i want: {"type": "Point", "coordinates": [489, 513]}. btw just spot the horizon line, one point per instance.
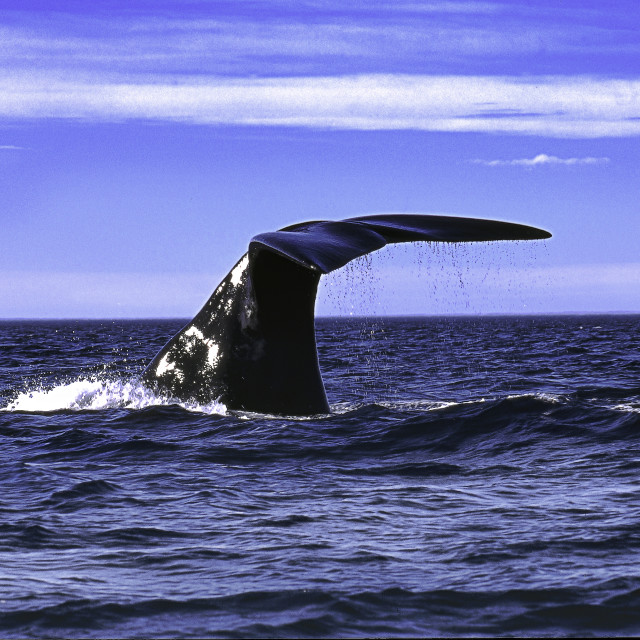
{"type": "Point", "coordinates": [622, 312]}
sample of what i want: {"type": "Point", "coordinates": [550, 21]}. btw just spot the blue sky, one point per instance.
{"type": "Point", "coordinates": [142, 144]}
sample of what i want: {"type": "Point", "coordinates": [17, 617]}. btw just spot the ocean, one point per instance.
{"type": "Point", "coordinates": [477, 476]}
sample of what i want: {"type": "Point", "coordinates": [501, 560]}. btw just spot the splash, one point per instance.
{"type": "Point", "coordinates": [93, 394]}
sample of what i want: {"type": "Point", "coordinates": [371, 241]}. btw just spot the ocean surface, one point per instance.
{"type": "Point", "coordinates": [477, 476]}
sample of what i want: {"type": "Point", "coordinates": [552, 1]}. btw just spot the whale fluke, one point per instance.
{"type": "Point", "coordinates": [252, 345]}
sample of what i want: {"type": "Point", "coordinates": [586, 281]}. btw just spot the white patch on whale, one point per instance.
{"type": "Point", "coordinates": [213, 354]}
{"type": "Point", "coordinates": [238, 271]}
{"type": "Point", "coordinates": [164, 366]}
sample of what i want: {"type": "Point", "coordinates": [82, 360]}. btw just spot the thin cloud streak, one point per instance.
{"type": "Point", "coordinates": [540, 160]}
{"type": "Point", "coordinates": [326, 38]}
{"type": "Point", "coordinates": [556, 106]}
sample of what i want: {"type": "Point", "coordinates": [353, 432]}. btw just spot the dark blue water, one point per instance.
{"type": "Point", "coordinates": [478, 476]}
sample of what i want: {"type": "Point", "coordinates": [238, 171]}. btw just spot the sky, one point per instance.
{"type": "Point", "coordinates": [143, 143]}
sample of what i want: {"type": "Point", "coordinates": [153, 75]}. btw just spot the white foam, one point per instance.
{"type": "Point", "coordinates": [438, 405]}
{"type": "Point", "coordinates": [545, 397]}
{"type": "Point", "coordinates": [94, 395]}
{"type": "Point", "coordinates": [627, 408]}
{"type": "Point", "coordinates": [403, 405]}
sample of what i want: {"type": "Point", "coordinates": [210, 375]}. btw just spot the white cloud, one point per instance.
{"type": "Point", "coordinates": [11, 147]}
{"type": "Point", "coordinates": [541, 159]}
{"type": "Point", "coordinates": [583, 107]}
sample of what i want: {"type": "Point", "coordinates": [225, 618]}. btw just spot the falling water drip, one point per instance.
{"type": "Point", "coordinates": [425, 278]}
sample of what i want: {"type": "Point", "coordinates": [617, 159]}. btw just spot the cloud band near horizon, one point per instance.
{"type": "Point", "coordinates": [51, 294]}
{"type": "Point", "coordinates": [554, 106]}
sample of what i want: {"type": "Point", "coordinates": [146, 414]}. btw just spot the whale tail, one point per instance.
{"type": "Point", "coordinates": [252, 345]}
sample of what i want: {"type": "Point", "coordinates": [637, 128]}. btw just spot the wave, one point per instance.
{"type": "Point", "coordinates": [483, 425]}
{"type": "Point", "coordinates": [97, 393]}
{"type": "Point", "coordinates": [609, 608]}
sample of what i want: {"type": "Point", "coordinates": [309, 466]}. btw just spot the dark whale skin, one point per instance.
{"type": "Point", "coordinates": [252, 346]}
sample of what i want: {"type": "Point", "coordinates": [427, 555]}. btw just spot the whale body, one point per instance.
{"type": "Point", "coordinates": [252, 345]}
